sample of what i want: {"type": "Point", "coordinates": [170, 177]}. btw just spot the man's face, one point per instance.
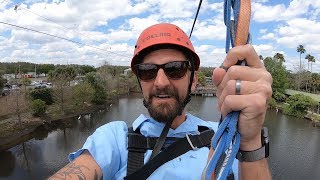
{"type": "Point", "coordinates": [164, 96]}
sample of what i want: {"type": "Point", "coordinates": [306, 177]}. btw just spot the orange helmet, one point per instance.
{"type": "Point", "coordinates": [161, 34]}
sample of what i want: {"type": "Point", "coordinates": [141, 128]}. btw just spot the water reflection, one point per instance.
{"type": "Point", "coordinates": [294, 147]}
{"type": "Point", "coordinates": [294, 144]}
{"type": "Point", "coordinates": [8, 162]}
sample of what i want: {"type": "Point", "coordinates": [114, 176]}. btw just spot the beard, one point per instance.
{"type": "Point", "coordinates": [165, 112]}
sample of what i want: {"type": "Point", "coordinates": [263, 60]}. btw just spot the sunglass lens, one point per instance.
{"type": "Point", "coordinates": [147, 71]}
{"type": "Point", "coordinates": [176, 70]}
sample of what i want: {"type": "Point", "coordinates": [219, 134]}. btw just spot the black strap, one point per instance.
{"type": "Point", "coordinates": [161, 140]}
{"type": "Point", "coordinates": [176, 149]}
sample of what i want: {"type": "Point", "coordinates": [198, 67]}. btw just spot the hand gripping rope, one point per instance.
{"type": "Point", "coordinates": [227, 138]}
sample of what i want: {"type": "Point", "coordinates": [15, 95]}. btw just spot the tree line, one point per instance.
{"type": "Point", "coordinates": [302, 80]}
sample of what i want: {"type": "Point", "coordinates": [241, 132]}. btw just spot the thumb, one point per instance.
{"type": "Point", "coordinates": [217, 75]}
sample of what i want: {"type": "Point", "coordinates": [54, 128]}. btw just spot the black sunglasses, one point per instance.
{"type": "Point", "coordinates": [173, 70]}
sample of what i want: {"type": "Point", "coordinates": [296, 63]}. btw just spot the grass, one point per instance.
{"type": "Point", "coordinates": [8, 104]}
{"type": "Point", "coordinates": [315, 97]}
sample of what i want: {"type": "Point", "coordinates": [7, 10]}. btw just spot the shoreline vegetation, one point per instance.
{"type": "Point", "coordinates": [13, 132]}
{"type": "Point", "coordinates": [77, 91]}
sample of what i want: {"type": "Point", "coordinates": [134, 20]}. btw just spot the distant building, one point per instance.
{"type": "Point", "coordinates": [29, 75]}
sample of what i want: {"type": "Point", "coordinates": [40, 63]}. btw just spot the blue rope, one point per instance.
{"type": "Point", "coordinates": [227, 138]}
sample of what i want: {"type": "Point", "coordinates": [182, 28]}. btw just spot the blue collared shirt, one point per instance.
{"type": "Point", "coordinates": [108, 146]}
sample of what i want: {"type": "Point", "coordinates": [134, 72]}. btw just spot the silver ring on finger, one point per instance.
{"type": "Point", "coordinates": [238, 86]}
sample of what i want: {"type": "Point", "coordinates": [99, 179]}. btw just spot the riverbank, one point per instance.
{"type": "Point", "coordinates": [14, 132]}
{"type": "Point", "coordinates": [310, 116]}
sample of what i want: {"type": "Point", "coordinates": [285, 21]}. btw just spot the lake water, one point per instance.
{"type": "Point", "coordinates": [294, 143]}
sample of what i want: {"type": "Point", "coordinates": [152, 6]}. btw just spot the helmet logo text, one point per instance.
{"type": "Point", "coordinates": [155, 36]}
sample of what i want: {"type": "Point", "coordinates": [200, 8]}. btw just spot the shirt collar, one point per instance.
{"type": "Point", "coordinates": [153, 128]}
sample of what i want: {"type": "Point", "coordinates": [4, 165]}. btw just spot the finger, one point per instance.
{"type": "Point", "coordinates": [230, 89]}
{"type": "Point", "coordinates": [246, 87]}
{"type": "Point", "coordinates": [217, 75]}
{"type": "Point", "coordinates": [245, 73]}
{"type": "Point", "coordinates": [255, 106]}
{"type": "Point", "coordinates": [245, 52]}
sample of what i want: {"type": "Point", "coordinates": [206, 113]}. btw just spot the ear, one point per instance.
{"type": "Point", "coordinates": [195, 81]}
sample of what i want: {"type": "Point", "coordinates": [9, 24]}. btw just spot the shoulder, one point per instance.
{"type": "Point", "coordinates": [110, 134]}
{"type": "Point", "coordinates": [114, 127]}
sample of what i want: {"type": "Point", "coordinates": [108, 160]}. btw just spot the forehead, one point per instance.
{"type": "Point", "coordinates": [162, 56]}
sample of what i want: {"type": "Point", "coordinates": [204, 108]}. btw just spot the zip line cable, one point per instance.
{"type": "Point", "coordinates": [59, 37]}
{"type": "Point", "coordinates": [195, 18]}
{"type": "Point", "coordinates": [51, 21]}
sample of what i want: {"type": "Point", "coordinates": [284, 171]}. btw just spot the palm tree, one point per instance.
{"type": "Point", "coordinates": [301, 50]}
{"type": "Point", "coordinates": [312, 61]}
{"type": "Point", "coordinates": [260, 57]}
{"type": "Point", "coordinates": [309, 58]}
{"type": "Point", "coordinates": [279, 57]}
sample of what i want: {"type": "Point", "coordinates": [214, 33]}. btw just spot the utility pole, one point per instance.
{"type": "Point", "coordinates": [19, 72]}
{"type": "Point", "coordinates": [35, 70]}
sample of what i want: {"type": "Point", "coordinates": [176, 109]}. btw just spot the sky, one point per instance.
{"type": "Point", "coordinates": [98, 32]}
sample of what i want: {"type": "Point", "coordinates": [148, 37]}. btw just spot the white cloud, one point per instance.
{"type": "Point", "coordinates": [264, 13]}
{"type": "Point", "coordinates": [110, 28]}
{"type": "Point", "coordinates": [269, 36]}
{"type": "Point", "coordinates": [169, 8]}
{"type": "Point", "coordinates": [299, 31]}
{"type": "Point", "coordinates": [263, 31]}
{"type": "Point", "coordinates": [264, 49]}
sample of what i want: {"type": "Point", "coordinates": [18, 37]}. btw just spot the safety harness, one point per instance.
{"type": "Point", "coordinates": [173, 147]}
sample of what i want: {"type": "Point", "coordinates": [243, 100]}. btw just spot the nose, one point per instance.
{"type": "Point", "coordinates": [161, 79]}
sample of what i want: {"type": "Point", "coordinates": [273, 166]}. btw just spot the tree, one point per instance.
{"type": "Point", "coordinates": [260, 57]}
{"type": "Point", "coordinates": [2, 82]}
{"type": "Point", "coordinates": [38, 107]}
{"type": "Point", "coordinates": [95, 81]}
{"type": "Point", "coordinates": [315, 82]}
{"type": "Point", "coordinates": [61, 77]}
{"type": "Point", "coordinates": [300, 50]}
{"type": "Point", "coordinates": [83, 93]}
{"type": "Point", "coordinates": [201, 78]}
{"type": "Point", "coordinates": [279, 57]}
{"type": "Point", "coordinates": [298, 105]}
{"type": "Point", "coordinates": [86, 69]}
{"type": "Point", "coordinates": [25, 82]}
{"type": "Point", "coordinates": [310, 59]}
{"type": "Point", "coordinates": [279, 74]}
{"type": "Point", "coordinates": [45, 68]}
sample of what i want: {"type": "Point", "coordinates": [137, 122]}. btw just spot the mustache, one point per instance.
{"type": "Point", "coordinates": [166, 91]}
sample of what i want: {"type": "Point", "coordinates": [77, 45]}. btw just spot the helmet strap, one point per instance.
{"type": "Point", "coordinates": [188, 98]}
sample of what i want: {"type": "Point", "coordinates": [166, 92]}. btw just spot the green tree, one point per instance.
{"type": "Point", "coordinates": [310, 59]}
{"type": "Point", "coordinates": [45, 95]}
{"type": "Point", "coordinates": [315, 82]}
{"type": "Point", "coordinates": [260, 57]}
{"type": "Point", "coordinates": [201, 78]}
{"type": "Point", "coordinates": [279, 74]}
{"type": "Point", "coordinates": [96, 82]}
{"type": "Point", "coordinates": [279, 57]}
{"type": "Point", "coordinates": [300, 50]}
{"type": "Point", "coordinates": [45, 68]}
{"type": "Point", "coordinates": [2, 82]}
{"type": "Point", "coordinates": [38, 107]}
{"type": "Point", "coordinates": [86, 69]}
{"type": "Point", "coordinates": [61, 77]}
{"type": "Point", "coordinates": [83, 93]}
{"type": "Point", "coordinates": [25, 82]}
{"type": "Point", "coordinates": [298, 105]}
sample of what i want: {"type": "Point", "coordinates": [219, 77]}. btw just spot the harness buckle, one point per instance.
{"type": "Point", "coordinates": [190, 143]}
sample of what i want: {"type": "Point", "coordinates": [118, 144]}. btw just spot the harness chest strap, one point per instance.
{"type": "Point", "coordinates": [174, 147]}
